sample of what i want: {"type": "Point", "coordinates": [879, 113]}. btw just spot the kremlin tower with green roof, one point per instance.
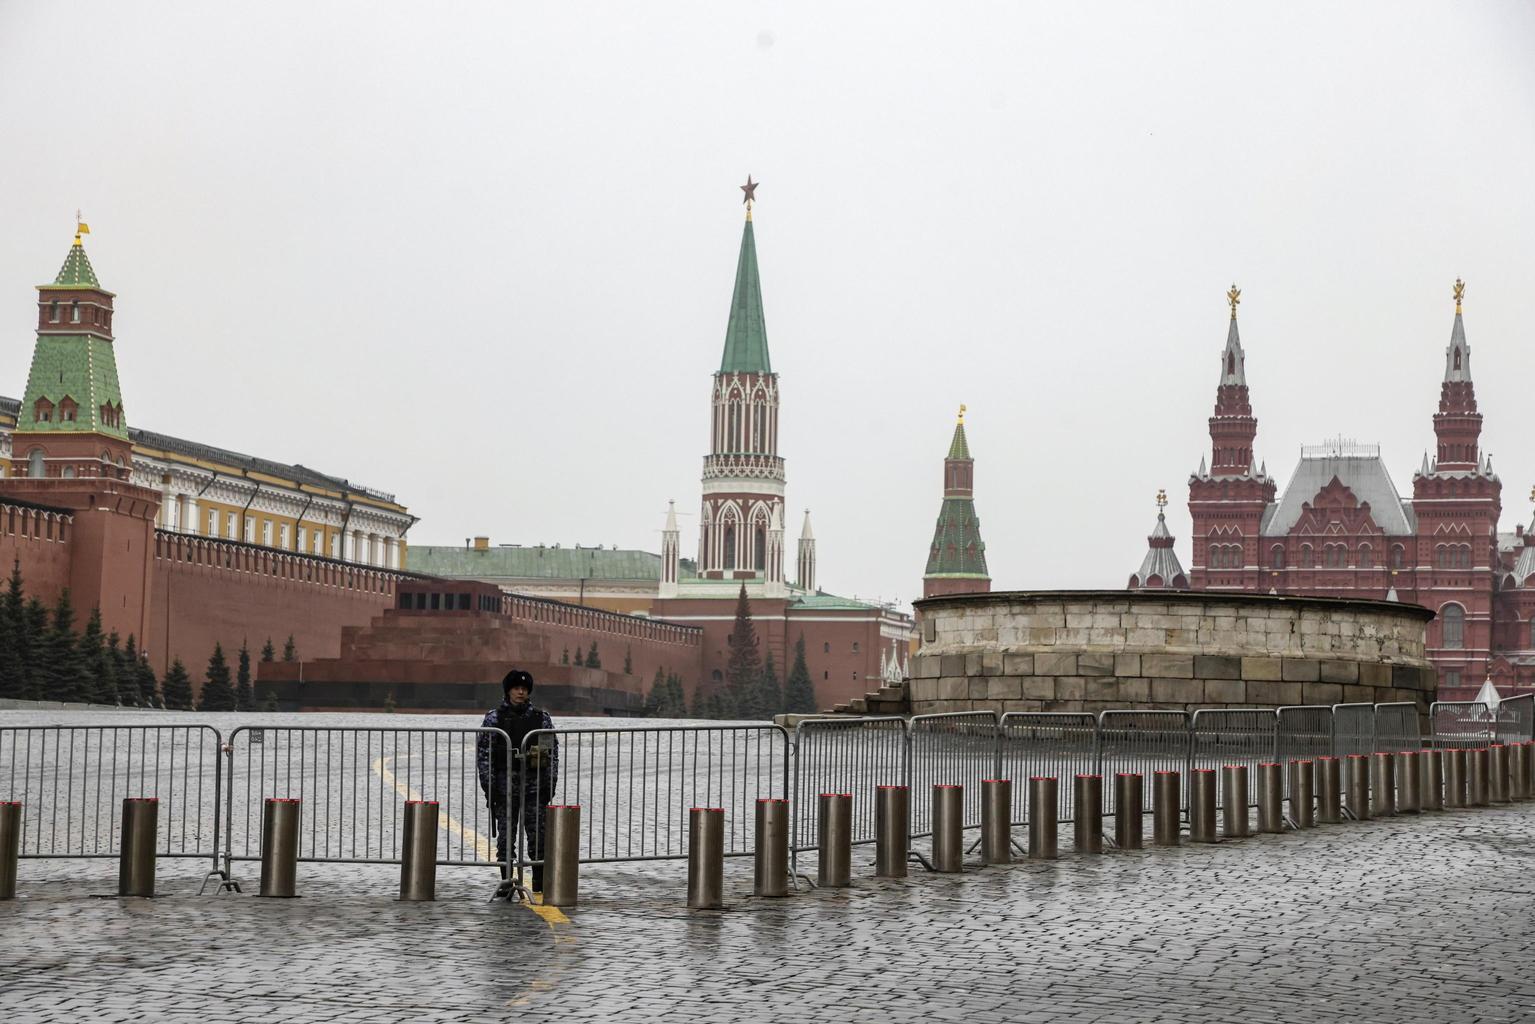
{"type": "Point", "coordinates": [956, 562]}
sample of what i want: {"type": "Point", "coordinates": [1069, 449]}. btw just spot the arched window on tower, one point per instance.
{"type": "Point", "coordinates": [1457, 359]}
{"type": "Point", "coordinates": [42, 411]}
{"type": "Point", "coordinates": [1366, 557]}
{"type": "Point", "coordinates": [1398, 556]}
{"type": "Point", "coordinates": [759, 424]}
{"type": "Point", "coordinates": [728, 556]}
{"type": "Point", "coordinates": [1231, 363]}
{"type": "Point", "coordinates": [1214, 560]}
{"type": "Point", "coordinates": [35, 467]}
{"type": "Point", "coordinates": [761, 564]}
{"type": "Point", "coordinates": [1307, 557]}
{"type": "Point", "coordinates": [1276, 556]}
{"type": "Point", "coordinates": [1452, 626]}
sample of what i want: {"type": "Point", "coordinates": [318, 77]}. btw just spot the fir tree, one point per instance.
{"type": "Point", "coordinates": [676, 703]}
{"type": "Point", "coordinates": [33, 648]}
{"type": "Point", "coordinates": [629, 661]}
{"type": "Point", "coordinates": [245, 699]}
{"type": "Point", "coordinates": [743, 673]}
{"type": "Point", "coordinates": [289, 651]}
{"type": "Point", "coordinates": [268, 653]}
{"type": "Point", "coordinates": [149, 686]}
{"type": "Point", "coordinates": [67, 675]}
{"type": "Point", "coordinates": [13, 669]}
{"type": "Point", "coordinates": [579, 662]}
{"type": "Point", "coordinates": [129, 678]}
{"type": "Point", "coordinates": [656, 698]}
{"type": "Point", "coordinates": [177, 687]}
{"type": "Point", "coordinates": [769, 692]}
{"type": "Point", "coordinates": [799, 691]}
{"type": "Point", "coordinates": [269, 703]}
{"type": "Point", "coordinates": [565, 657]}
{"type": "Point", "coordinates": [218, 694]}
{"type": "Point", "coordinates": [592, 661]}
{"type": "Point", "coordinates": [93, 660]}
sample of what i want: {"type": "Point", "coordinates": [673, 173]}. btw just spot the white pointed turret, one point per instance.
{"type": "Point", "coordinates": [671, 552]}
{"type": "Point", "coordinates": [774, 568]}
{"type": "Point", "coordinates": [806, 560]}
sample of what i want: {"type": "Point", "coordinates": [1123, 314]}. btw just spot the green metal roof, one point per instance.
{"type": "Point", "coordinates": [957, 546]}
{"type": "Point", "coordinates": [538, 562]}
{"type": "Point", "coordinates": [80, 367]}
{"type": "Point", "coordinates": [828, 602]}
{"type": "Point", "coordinates": [746, 347]}
{"type": "Point", "coordinates": [76, 271]}
{"type": "Point", "coordinates": [959, 448]}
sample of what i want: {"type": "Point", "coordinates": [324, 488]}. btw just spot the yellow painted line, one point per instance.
{"type": "Point", "coordinates": [483, 847]}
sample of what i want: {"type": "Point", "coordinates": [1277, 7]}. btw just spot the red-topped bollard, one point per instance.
{"type": "Point", "coordinates": [562, 855]}
{"type": "Point", "coordinates": [948, 828]}
{"type": "Point", "coordinates": [996, 821]}
{"type": "Point", "coordinates": [1043, 793]}
{"type": "Point", "coordinates": [770, 866]}
{"type": "Point", "coordinates": [10, 846]}
{"type": "Point", "coordinates": [706, 858]}
{"type": "Point", "coordinates": [279, 848]}
{"type": "Point", "coordinates": [892, 830]}
{"type": "Point", "coordinates": [835, 841]}
{"type": "Point", "coordinates": [418, 852]}
{"type": "Point", "coordinates": [1088, 820]}
{"type": "Point", "coordinates": [136, 859]}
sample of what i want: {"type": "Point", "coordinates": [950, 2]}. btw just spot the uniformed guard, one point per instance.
{"type": "Point", "coordinates": [534, 776]}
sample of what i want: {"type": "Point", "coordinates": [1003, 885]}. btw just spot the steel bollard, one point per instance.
{"type": "Point", "coordinates": [948, 828]}
{"type": "Point", "coordinates": [1476, 777]}
{"type": "Point", "coordinates": [1270, 798]}
{"type": "Point", "coordinates": [1431, 780]}
{"type": "Point", "coordinates": [706, 858]}
{"type": "Point", "coordinates": [1457, 778]}
{"type": "Point", "coordinates": [1409, 791]}
{"type": "Point", "coordinates": [834, 841]}
{"type": "Point", "coordinates": [1497, 774]}
{"type": "Point", "coordinates": [1166, 812]}
{"type": "Point", "coordinates": [770, 865]}
{"type": "Point", "coordinates": [996, 821]}
{"type": "Point", "coordinates": [562, 855]}
{"type": "Point", "coordinates": [136, 860]}
{"type": "Point", "coordinates": [279, 847]}
{"type": "Point", "coordinates": [1529, 768]}
{"type": "Point", "coordinates": [1329, 791]}
{"type": "Point", "coordinates": [1358, 786]}
{"type": "Point", "coordinates": [892, 830]}
{"type": "Point", "coordinates": [10, 846]}
{"type": "Point", "coordinates": [1518, 774]}
{"type": "Point", "coordinates": [1044, 794]}
{"type": "Point", "coordinates": [1302, 794]}
{"type": "Point", "coordinates": [1234, 819]}
{"type": "Point", "coordinates": [1202, 805]}
{"type": "Point", "coordinates": [1129, 826]}
{"type": "Point", "coordinates": [418, 853]}
{"type": "Point", "coordinates": [1382, 785]}
{"type": "Point", "coordinates": [1088, 820]}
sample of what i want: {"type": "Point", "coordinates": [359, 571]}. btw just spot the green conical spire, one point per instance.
{"type": "Point", "coordinates": [959, 448]}
{"type": "Point", "coordinates": [77, 271]}
{"type": "Point", "coordinates": [746, 347]}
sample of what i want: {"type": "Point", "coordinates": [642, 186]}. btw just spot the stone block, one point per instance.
{"type": "Point", "coordinates": [978, 687]}
{"type": "Point", "coordinates": [953, 688]}
{"type": "Point", "coordinates": [1356, 694]}
{"type": "Point", "coordinates": [1411, 677]}
{"type": "Point", "coordinates": [1168, 666]}
{"type": "Point", "coordinates": [1070, 688]}
{"type": "Point", "coordinates": [1215, 666]}
{"type": "Point", "coordinates": [1127, 665]}
{"type": "Point", "coordinates": [1339, 672]}
{"type": "Point", "coordinates": [1302, 670]}
{"type": "Point", "coordinates": [1322, 693]}
{"type": "Point", "coordinates": [1137, 691]}
{"type": "Point", "coordinates": [1262, 668]}
{"type": "Point", "coordinates": [1055, 664]}
{"type": "Point", "coordinates": [1225, 691]}
{"type": "Point", "coordinates": [1018, 664]}
{"type": "Point", "coordinates": [952, 665]}
{"type": "Point", "coordinates": [1095, 664]}
{"type": "Point", "coordinates": [1042, 636]}
{"type": "Point", "coordinates": [1177, 691]}
{"type": "Point", "coordinates": [926, 667]}
{"type": "Point", "coordinates": [1038, 687]}
{"type": "Point", "coordinates": [973, 664]}
{"type": "Point", "coordinates": [1101, 688]}
{"type": "Point", "coordinates": [1280, 693]}
{"type": "Point", "coordinates": [924, 689]}
{"type": "Point", "coordinates": [1004, 688]}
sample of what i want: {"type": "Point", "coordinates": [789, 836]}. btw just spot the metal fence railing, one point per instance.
{"type": "Point", "coordinates": [636, 785]}
{"type": "Point", "coordinates": [352, 785]}
{"type": "Point", "coordinates": [71, 781]}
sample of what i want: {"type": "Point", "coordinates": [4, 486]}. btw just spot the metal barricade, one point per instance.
{"type": "Point", "coordinates": [844, 755]}
{"type": "Point", "coordinates": [1302, 733]}
{"type": "Point", "coordinates": [1462, 724]}
{"type": "Point", "coordinates": [354, 784]}
{"type": "Point", "coordinates": [1396, 728]}
{"type": "Point", "coordinates": [1353, 729]}
{"type": "Point", "coordinates": [71, 781]}
{"type": "Point", "coordinates": [954, 749]}
{"type": "Point", "coordinates": [636, 787]}
{"type": "Point", "coordinates": [1234, 736]}
{"type": "Point", "coordinates": [1059, 744]}
{"type": "Point", "coordinates": [1516, 719]}
{"type": "Point", "coordinates": [1144, 742]}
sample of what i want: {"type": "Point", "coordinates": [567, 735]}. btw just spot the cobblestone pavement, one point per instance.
{"type": "Point", "coordinates": [1408, 919]}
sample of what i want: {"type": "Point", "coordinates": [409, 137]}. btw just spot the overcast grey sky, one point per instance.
{"type": "Point", "coordinates": [480, 255]}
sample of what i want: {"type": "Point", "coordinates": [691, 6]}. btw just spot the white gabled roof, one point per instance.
{"type": "Point", "coordinates": [1365, 475]}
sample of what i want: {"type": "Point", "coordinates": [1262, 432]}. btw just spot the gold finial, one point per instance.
{"type": "Point", "coordinates": [1532, 494]}
{"type": "Point", "coordinates": [1161, 500]}
{"type": "Point", "coordinates": [1234, 296]}
{"type": "Point", "coordinates": [1460, 292]}
{"type": "Point", "coordinates": [962, 423]}
{"type": "Point", "coordinates": [81, 228]}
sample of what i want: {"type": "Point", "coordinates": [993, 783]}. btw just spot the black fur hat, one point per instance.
{"type": "Point", "coordinates": [517, 677]}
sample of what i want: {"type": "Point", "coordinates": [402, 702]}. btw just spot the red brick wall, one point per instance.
{"type": "Point", "coordinates": [41, 540]}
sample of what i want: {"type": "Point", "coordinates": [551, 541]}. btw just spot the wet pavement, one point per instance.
{"type": "Point", "coordinates": [1407, 919]}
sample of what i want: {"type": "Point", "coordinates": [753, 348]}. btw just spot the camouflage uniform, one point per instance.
{"type": "Point", "coordinates": [536, 779]}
